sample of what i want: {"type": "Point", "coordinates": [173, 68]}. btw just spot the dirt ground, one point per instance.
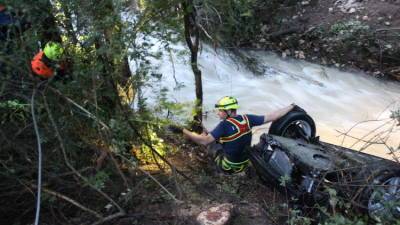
{"type": "Point", "coordinates": [374, 13]}
{"type": "Point", "coordinates": [306, 30]}
{"type": "Point", "coordinates": [255, 202]}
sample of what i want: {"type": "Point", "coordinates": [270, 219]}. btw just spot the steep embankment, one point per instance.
{"type": "Point", "coordinates": [361, 34]}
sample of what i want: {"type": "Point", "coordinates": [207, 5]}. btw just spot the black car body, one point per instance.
{"type": "Point", "coordinates": [306, 167]}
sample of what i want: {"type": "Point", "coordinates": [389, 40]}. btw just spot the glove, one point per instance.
{"type": "Point", "coordinates": [175, 129]}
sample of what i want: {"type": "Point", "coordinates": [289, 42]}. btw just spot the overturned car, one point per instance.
{"type": "Point", "coordinates": [292, 158]}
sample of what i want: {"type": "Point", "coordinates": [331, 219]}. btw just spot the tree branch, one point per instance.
{"type": "Point", "coordinates": [66, 160]}
{"type": "Point", "coordinates": [70, 200]}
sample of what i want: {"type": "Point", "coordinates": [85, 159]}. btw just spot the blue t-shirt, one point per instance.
{"type": "Point", "coordinates": [234, 150]}
{"type": "Point", "coordinates": [5, 21]}
{"type": "Point", "coordinates": [5, 18]}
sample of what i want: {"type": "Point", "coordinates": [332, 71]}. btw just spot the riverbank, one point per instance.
{"type": "Point", "coordinates": [348, 34]}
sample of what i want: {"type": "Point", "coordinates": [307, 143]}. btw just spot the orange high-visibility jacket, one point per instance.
{"type": "Point", "coordinates": [40, 68]}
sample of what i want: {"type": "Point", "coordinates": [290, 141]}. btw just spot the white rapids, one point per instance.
{"type": "Point", "coordinates": [339, 102]}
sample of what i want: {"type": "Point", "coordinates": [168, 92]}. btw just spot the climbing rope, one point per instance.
{"type": "Point", "coordinates": [39, 181]}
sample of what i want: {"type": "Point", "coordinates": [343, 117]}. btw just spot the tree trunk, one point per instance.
{"type": "Point", "coordinates": [192, 40]}
{"type": "Point", "coordinates": [50, 31]}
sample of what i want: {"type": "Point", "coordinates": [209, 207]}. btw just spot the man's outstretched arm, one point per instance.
{"type": "Point", "coordinates": [270, 117]}
{"type": "Point", "coordinates": [199, 138]}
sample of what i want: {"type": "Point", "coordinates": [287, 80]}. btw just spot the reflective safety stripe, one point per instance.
{"type": "Point", "coordinates": [229, 166]}
{"type": "Point", "coordinates": [242, 127]}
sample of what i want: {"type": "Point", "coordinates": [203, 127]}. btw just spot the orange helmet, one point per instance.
{"type": "Point", "coordinates": [40, 68]}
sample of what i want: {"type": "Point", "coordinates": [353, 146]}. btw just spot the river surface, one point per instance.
{"type": "Point", "coordinates": [339, 102]}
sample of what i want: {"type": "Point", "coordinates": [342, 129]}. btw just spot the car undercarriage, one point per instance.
{"type": "Point", "coordinates": [291, 158]}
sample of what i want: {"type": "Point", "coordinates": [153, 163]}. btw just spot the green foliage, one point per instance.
{"type": "Point", "coordinates": [395, 115]}
{"type": "Point", "coordinates": [295, 217]}
{"type": "Point", "coordinates": [333, 200]}
{"type": "Point", "coordinates": [83, 116]}
{"type": "Point", "coordinates": [348, 30]}
{"type": "Point", "coordinates": [341, 220]}
{"type": "Point", "coordinates": [230, 186]}
{"type": "Point", "coordinates": [99, 179]}
{"type": "Point", "coordinates": [157, 144]}
{"type": "Point", "coordinates": [284, 180]}
{"type": "Point", "coordinates": [13, 111]}
{"type": "Point", "coordinates": [231, 22]}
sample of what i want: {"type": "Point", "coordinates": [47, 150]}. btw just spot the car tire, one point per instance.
{"type": "Point", "coordinates": [287, 125]}
{"type": "Point", "coordinates": [377, 196]}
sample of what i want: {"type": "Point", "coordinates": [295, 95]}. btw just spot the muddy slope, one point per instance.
{"type": "Point", "coordinates": [362, 34]}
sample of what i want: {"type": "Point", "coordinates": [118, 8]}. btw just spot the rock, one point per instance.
{"type": "Point", "coordinates": [387, 23]}
{"type": "Point", "coordinates": [301, 41]}
{"type": "Point", "coordinates": [305, 2]}
{"type": "Point", "coordinates": [348, 6]}
{"type": "Point", "coordinates": [299, 54]}
{"type": "Point", "coordinates": [218, 215]}
{"type": "Point", "coordinates": [108, 207]}
{"type": "Point", "coordinates": [365, 18]}
{"type": "Point", "coordinates": [388, 46]}
{"type": "Point", "coordinates": [286, 53]}
{"type": "Point", "coordinates": [264, 29]}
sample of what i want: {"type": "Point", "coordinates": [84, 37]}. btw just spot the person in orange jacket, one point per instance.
{"type": "Point", "coordinates": [46, 63]}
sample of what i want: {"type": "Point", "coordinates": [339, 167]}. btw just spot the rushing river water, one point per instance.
{"type": "Point", "coordinates": [338, 101]}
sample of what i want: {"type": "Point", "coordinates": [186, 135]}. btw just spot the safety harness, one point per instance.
{"type": "Point", "coordinates": [230, 167]}
{"type": "Point", "coordinates": [243, 128]}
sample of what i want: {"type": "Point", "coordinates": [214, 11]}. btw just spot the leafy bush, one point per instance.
{"type": "Point", "coordinates": [348, 29]}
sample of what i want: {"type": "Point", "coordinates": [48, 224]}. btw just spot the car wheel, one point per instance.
{"type": "Point", "coordinates": [296, 124]}
{"type": "Point", "coordinates": [383, 198]}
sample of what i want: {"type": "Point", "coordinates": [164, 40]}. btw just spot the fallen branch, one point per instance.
{"type": "Point", "coordinates": [154, 179]}
{"type": "Point", "coordinates": [362, 138]}
{"type": "Point", "coordinates": [70, 200]}
{"type": "Point", "coordinates": [110, 217]}
{"type": "Point", "coordinates": [159, 184]}
{"type": "Point", "coordinates": [387, 29]}
{"type": "Point", "coordinates": [89, 114]}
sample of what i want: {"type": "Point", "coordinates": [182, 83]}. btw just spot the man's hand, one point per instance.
{"type": "Point", "coordinates": [175, 129]}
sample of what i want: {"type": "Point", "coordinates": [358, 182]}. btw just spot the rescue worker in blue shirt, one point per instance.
{"type": "Point", "coordinates": [5, 21]}
{"type": "Point", "coordinates": [233, 134]}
